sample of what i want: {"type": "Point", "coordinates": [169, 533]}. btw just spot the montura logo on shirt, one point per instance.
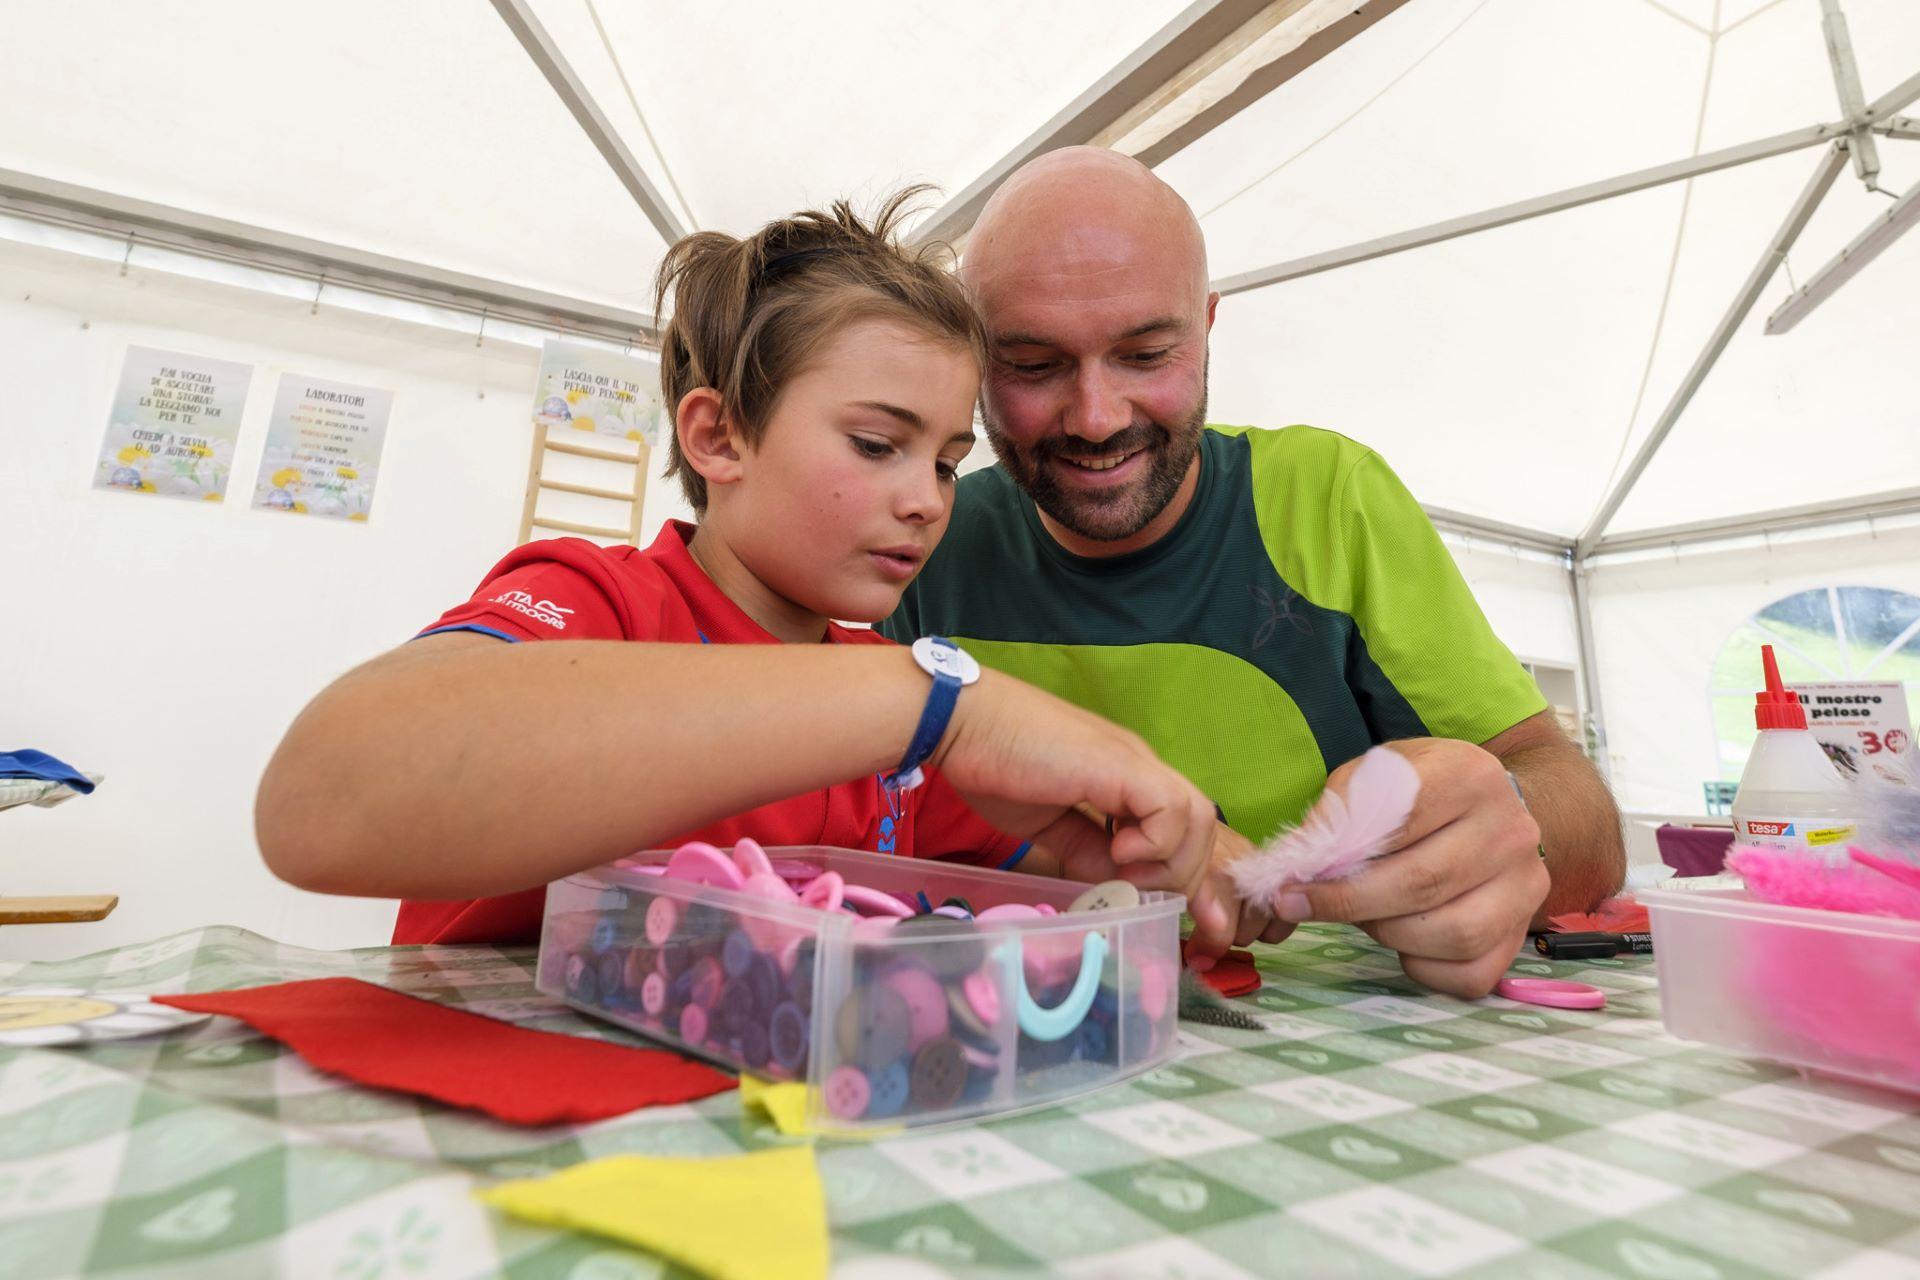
{"type": "Point", "coordinates": [539, 610]}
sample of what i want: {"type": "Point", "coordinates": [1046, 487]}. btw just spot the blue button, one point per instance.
{"type": "Point", "coordinates": [1091, 1042]}
{"type": "Point", "coordinates": [890, 1090]}
{"type": "Point", "coordinates": [603, 933]}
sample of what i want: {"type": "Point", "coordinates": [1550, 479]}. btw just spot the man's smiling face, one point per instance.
{"type": "Point", "coordinates": [1092, 277]}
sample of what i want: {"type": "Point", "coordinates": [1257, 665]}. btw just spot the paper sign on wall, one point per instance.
{"type": "Point", "coordinates": [603, 392]}
{"type": "Point", "coordinates": [1862, 725]}
{"type": "Point", "coordinates": [323, 448]}
{"type": "Point", "coordinates": [172, 425]}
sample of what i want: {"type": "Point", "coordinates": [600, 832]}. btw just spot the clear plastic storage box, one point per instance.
{"type": "Point", "coordinates": [921, 1021]}
{"type": "Point", "coordinates": [1826, 991]}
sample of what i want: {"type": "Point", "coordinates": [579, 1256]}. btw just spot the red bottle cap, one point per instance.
{"type": "Point", "coordinates": [1776, 707]}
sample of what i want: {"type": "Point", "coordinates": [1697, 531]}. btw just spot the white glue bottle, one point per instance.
{"type": "Point", "coordinates": [1791, 796]}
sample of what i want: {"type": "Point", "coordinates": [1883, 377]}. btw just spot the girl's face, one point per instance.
{"type": "Point", "coordinates": [851, 485]}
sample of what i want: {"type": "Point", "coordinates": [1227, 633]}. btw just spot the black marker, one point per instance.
{"type": "Point", "coordinates": [1592, 946]}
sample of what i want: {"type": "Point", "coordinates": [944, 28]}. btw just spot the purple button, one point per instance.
{"type": "Point", "coordinates": [736, 1004]}
{"type": "Point", "coordinates": [736, 953]}
{"type": "Point", "coordinates": [788, 1037]}
{"type": "Point", "coordinates": [704, 987]}
{"type": "Point", "coordinates": [693, 1024]}
{"type": "Point", "coordinates": [763, 979]}
{"type": "Point", "coordinates": [610, 968]}
{"type": "Point", "coordinates": [753, 1045]}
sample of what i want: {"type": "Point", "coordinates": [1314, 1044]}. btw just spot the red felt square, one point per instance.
{"type": "Point", "coordinates": [1232, 974]}
{"type": "Point", "coordinates": [388, 1040]}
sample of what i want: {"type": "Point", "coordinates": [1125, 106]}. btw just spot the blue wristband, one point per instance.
{"type": "Point", "coordinates": [948, 672]}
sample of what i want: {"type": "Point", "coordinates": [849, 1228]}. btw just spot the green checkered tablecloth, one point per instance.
{"type": "Point", "coordinates": [1370, 1130]}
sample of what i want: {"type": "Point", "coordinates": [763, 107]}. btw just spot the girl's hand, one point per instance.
{"type": "Point", "coordinates": [1023, 758]}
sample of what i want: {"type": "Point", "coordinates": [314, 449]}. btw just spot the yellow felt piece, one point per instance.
{"type": "Point", "coordinates": [784, 1102]}
{"type": "Point", "coordinates": [759, 1216]}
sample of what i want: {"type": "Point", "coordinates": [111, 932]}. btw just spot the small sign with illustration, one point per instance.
{"type": "Point", "coordinates": [172, 425]}
{"type": "Point", "coordinates": [1863, 726]}
{"type": "Point", "coordinates": [323, 448]}
{"type": "Point", "coordinates": [601, 392]}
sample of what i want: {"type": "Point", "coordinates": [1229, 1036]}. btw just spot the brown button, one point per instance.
{"type": "Point", "coordinates": [874, 1028]}
{"type": "Point", "coordinates": [938, 1075]}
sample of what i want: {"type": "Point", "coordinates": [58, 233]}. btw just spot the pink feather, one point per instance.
{"type": "Point", "coordinates": [1794, 879]}
{"type": "Point", "coordinates": [1338, 834]}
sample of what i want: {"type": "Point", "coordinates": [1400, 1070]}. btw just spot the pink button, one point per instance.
{"type": "Point", "coordinates": [663, 916]}
{"type": "Point", "coordinates": [1008, 911]}
{"type": "Point", "coordinates": [982, 991]}
{"type": "Point", "coordinates": [750, 858]}
{"type": "Point", "coordinates": [1153, 989]}
{"type": "Point", "coordinates": [701, 863]}
{"type": "Point", "coordinates": [693, 1024]}
{"type": "Point", "coordinates": [825, 892]}
{"type": "Point", "coordinates": [872, 902]}
{"type": "Point", "coordinates": [847, 1092]}
{"type": "Point", "coordinates": [653, 994]}
{"type": "Point", "coordinates": [926, 1001]}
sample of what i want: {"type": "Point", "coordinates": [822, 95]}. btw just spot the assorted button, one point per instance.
{"type": "Point", "coordinates": [922, 1019]}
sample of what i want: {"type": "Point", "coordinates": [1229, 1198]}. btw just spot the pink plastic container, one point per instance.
{"type": "Point", "coordinates": [1826, 991]}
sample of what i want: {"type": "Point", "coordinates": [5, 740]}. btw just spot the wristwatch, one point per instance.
{"type": "Point", "coordinates": [952, 669]}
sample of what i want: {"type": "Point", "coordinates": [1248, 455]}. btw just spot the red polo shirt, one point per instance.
{"type": "Point", "coordinates": [572, 589]}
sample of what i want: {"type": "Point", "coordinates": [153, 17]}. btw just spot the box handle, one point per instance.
{"type": "Point", "coordinates": [1061, 1020]}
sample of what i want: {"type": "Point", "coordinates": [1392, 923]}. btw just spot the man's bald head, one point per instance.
{"type": "Point", "coordinates": [1092, 276]}
{"type": "Point", "coordinates": [1084, 206]}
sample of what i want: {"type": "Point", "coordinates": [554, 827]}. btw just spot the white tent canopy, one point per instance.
{"type": "Point", "coordinates": [1509, 375]}
{"type": "Point", "coordinates": [478, 175]}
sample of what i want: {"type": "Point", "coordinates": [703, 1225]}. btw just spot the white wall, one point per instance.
{"type": "Point", "coordinates": [1659, 624]}
{"type": "Point", "coordinates": [168, 644]}
{"type": "Point", "coordinates": [1528, 600]}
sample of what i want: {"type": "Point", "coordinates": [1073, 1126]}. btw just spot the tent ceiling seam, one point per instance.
{"type": "Point", "coordinates": [1385, 89]}
{"type": "Point", "coordinates": [1687, 22]}
{"type": "Point", "coordinates": [1731, 27]}
{"type": "Point", "coordinates": [1673, 262]}
{"type": "Point", "coordinates": [620, 71]}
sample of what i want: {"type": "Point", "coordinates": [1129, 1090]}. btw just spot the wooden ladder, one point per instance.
{"type": "Point", "coordinates": [633, 493]}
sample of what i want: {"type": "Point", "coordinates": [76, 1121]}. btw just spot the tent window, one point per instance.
{"type": "Point", "coordinates": [1828, 633]}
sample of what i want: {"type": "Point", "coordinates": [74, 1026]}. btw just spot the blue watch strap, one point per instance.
{"type": "Point", "coordinates": [932, 727]}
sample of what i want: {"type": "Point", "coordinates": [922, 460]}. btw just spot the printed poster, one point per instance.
{"type": "Point", "coordinates": [1863, 726]}
{"type": "Point", "coordinates": [601, 392]}
{"type": "Point", "coordinates": [323, 448]}
{"type": "Point", "coordinates": [172, 425]}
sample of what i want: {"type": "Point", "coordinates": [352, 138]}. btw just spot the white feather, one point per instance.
{"type": "Point", "coordinates": [1338, 834]}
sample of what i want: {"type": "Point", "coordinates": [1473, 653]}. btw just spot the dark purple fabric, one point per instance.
{"type": "Point", "coordinates": [1693, 851]}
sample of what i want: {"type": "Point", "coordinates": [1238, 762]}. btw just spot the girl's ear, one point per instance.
{"type": "Point", "coordinates": [708, 440]}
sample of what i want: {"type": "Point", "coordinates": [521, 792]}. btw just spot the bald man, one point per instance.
{"type": "Point", "coordinates": [1262, 606]}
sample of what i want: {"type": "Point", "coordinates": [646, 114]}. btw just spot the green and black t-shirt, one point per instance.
{"type": "Point", "coordinates": [1301, 610]}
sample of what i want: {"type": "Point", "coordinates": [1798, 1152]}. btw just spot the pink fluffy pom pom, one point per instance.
{"type": "Point", "coordinates": [1792, 879]}
{"type": "Point", "coordinates": [1842, 996]}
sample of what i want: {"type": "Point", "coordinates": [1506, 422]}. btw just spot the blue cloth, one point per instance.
{"type": "Point", "coordinates": [38, 764]}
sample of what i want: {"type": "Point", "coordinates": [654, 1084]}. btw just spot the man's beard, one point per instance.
{"type": "Point", "coordinates": [1113, 514]}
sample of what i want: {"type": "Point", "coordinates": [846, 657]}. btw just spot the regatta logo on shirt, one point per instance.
{"type": "Point", "coordinates": [539, 610]}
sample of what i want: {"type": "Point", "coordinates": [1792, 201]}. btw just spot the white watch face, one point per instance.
{"type": "Point", "coordinates": [945, 659]}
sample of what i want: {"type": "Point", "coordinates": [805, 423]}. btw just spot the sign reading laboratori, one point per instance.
{"type": "Point", "coordinates": [324, 442]}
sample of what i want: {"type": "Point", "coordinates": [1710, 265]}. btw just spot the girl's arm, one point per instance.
{"type": "Point", "coordinates": [461, 766]}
